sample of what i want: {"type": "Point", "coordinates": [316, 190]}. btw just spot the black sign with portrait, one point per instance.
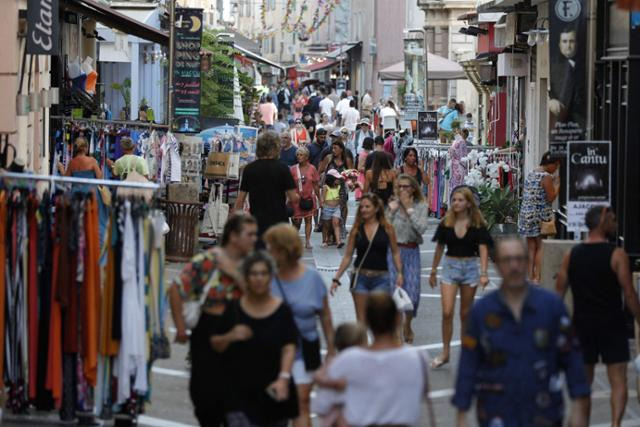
{"type": "Point", "coordinates": [428, 125]}
{"type": "Point", "coordinates": [43, 27]}
{"type": "Point", "coordinates": [568, 70]}
{"type": "Point", "coordinates": [186, 70]}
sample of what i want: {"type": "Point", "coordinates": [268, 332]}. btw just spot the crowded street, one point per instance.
{"type": "Point", "coordinates": [320, 213]}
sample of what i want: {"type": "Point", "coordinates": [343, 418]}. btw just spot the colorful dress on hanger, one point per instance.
{"type": "Point", "coordinates": [457, 151]}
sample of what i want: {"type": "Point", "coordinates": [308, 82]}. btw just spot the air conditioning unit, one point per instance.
{"type": "Point", "coordinates": [373, 47]}
{"type": "Point", "coordinates": [512, 64]}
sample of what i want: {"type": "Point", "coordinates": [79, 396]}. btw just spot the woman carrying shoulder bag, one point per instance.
{"type": "Point", "coordinates": [371, 237]}
{"type": "Point", "coordinates": [303, 290]}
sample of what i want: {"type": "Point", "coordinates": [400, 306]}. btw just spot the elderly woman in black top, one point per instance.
{"type": "Point", "coordinates": [371, 236]}
{"type": "Point", "coordinates": [464, 233]}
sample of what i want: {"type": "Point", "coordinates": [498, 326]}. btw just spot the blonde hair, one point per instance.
{"type": "Point", "coordinates": [81, 144]}
{"type": "Point", "coordinates": [477, 220]}
{"type": "Point", "coordinates": [284, 240]}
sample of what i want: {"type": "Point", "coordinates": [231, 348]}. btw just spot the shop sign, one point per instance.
{"type": "Point", "coordinates": [341, 85]}
{"type": "Point", "coordinates": [428, 125]}
{"type": "Point", "coordinates": [186, 70]}
{"type": "Point", "coordinates": [588, 180]}
{"type": "Point", "coordinates": [43, 27]}
{"type": "Point", "coordinates": [568, 70]}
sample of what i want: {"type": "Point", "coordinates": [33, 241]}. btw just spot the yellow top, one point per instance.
{"type": "Point", "coordinates": [332, 194]}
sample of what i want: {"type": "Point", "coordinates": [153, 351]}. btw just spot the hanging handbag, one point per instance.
{"type": "Point", "coordinates": [548, 228]}
{"type": "Point", "coordinates": [306, 204]}
{"type": "Point", "coordinates": [402, 300]}
{"type": "Point", "coordinates": [356, 272]}
{"type": "Point", "coordinates": [191, 310]}
{"type": "Point", "coordinates": [310, 348]}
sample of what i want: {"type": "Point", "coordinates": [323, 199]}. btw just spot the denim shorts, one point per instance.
{"type": "Point", "coordinates": [329, 212]}
{"type": "Point", "coordinates": [365, 284]}
{"type": "Point", "coordinates": [460, 271]}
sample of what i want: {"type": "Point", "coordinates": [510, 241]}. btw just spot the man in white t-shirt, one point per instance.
{"type": "Point", "coordinates": [385, 383]}
{"type": "Point", "coordinates": [343, 104]}
{"type": "Point", "coordinates": [327, 107]}
{"type": "Point", "coordinates": [350, 116]}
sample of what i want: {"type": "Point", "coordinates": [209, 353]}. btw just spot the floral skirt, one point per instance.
{"type": "Point", "coordinates": [411, 269]}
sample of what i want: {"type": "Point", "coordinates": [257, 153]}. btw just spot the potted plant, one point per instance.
{"type": "Point", "coordinates": [499, 207]}
{"type": "Point", "coordinates": [125, 90]}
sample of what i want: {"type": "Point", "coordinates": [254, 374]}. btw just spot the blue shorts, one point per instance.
{"type": "Point", "coordinates": [328, 212]}
{"type": "Point", "coordinates": [460, 271]}
{"type": "Point", "coordinates": [365, 284]}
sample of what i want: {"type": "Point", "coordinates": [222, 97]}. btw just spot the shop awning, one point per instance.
{"type": "Point", "coordinates": [116, 20]}
{"type": "Point", "coordinates": [257, 57]}
{"type": "Point", "coordinates": [438, 68]}
{"type": "Point", "coordinates": [334, 54]}
{"type": "Point", "coordinates": [321, 65]}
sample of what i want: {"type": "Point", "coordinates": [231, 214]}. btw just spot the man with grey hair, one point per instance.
{"type": "Point", "coordinates": [598, 273]}
{"type": "Point", "coordinates": [515, 348]}
{"type": "Point", "coordinates": [287, 150]}
{"type": "Point", "coordinates": [269, 184]}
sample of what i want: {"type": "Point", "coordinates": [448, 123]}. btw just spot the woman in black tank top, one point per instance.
{"type": "Point", "coordinates": [411, 166]}
{"type": "Point", "coordinates": [380, 179]}
{"type": "Point", "coordinates": [370, 237]}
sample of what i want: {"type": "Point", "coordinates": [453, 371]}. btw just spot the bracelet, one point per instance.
{"type": "Point", "coordinates": [336, 281]}
{"type": "Point", "coordinates": [284, 375]}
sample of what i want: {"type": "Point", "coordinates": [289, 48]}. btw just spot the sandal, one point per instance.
{"type": "Point", "coordinates": [438, 362]}
{"type": "Point", "coordinates": [340, 245]}
{"type": "Point", "coordinates": [325, 245]}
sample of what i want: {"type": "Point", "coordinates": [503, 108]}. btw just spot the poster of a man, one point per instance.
{"type": "Point", "coordinates": [567, 99]}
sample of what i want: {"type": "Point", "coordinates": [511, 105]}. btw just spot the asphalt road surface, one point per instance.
{"type": "Point", "coordinates": [171, 406]}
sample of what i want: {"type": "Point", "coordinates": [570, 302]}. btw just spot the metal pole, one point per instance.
{"type": "Point", "coordinates": [426, 69]}
{"type": "Point", "coordinates": [72, 180]}
{"type": "Point", "coordinates": [172, 29]}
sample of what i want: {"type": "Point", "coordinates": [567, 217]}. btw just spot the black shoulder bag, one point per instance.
{"type": "Point", "coordinates": [310, 348]}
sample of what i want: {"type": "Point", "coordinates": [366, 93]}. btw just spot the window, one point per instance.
{"type": "Point", "coordinates": [273, 44]}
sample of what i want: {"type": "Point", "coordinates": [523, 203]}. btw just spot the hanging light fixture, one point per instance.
{"type": "Point", "coordinates": [531, 39]}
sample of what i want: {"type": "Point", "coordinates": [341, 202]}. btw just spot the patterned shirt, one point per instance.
{"type": "Point", "coordinates": [198, 272]}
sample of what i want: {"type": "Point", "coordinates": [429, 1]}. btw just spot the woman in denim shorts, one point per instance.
{"type": "Point", "coordinates": [463, 231]}
{"type": "Point", "coordinates": [371, 236]}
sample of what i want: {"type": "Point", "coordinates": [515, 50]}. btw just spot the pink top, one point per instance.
{"type": "Point", "coordinates": [268, 110]}
{"type": "Point", "coordinates": [310, 177]}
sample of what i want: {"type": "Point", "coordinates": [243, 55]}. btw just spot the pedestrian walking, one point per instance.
{"type": "Point", "coordinates": [288, 151]}
{"type": "Point", "coordinates": [258, 341]}
{"type": "Point", "coordinates": [385, 384]}
{"type": "Point", "coordinates": [300, 134]}
{"type": "Point", "coordinates": [317, 147]}
{"type": "Point", "coordinates": [598, 274]}
{"type": "Point", "coordinates": [298, 104]}
{"type": "Point", "coordinates": [380, 179]}
{"type": "Point", "coordinates": [282, 125]}
{"type": "Point", "coordinates": [408, 214]}
{"type": "Point", "coordinates": [516, 347]}
{"type": "Point", "coordinates": [367, 147]}
{"type": "Point", "coordinates": [446, 124]}
{"type": "Point", "coordinates": [268, 112]}
{"type": "Point", "coordinates": [211, 278]}
{"type": "Point", "coordinates": [303, 290]}
{"type": "Point", "coordinates": [327, 107]}
{"type": "Point", "coordinates": [340, 159]}
{"type": "Point", "coordinates": [371, 237]}
{"type": "Point", "coordinates": [268, 183]}
{"type": "Point", "coordinates": [329, 403]}
{"type": "Point", "coordinates": [412, 167]}
{"type": "Point", "coordinates": [307, 179]}
{"type": "Point", "coordinates": [331, 216]}
{"type": "Point", "coordinates": [350, 116]}
{"type": "Point", "coordinates": [367, 104]}
{"type": "Point", "coordinates": [463, 232]}
{"type": "Point", "coordinates": [364, 131]}
{"type": "Point", "coordinates": [541, 187]}
{"type": "Point", "coordinates": [378, 150]}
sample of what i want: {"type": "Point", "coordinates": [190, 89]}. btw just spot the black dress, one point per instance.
{"type": "Point", "coordinates": [254, 364]}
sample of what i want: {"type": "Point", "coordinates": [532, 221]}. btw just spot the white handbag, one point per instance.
{"type": "Point", "coordinates": [402, 300]}
{"type": "Point", "coordinates": [191, 310]}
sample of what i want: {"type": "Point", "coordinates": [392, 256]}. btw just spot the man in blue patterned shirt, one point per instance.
{"type": "Point", "coordinates": [517, 345]}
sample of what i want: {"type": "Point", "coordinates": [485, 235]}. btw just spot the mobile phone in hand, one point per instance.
{"type": "Point", "coordinates": [272, 393]}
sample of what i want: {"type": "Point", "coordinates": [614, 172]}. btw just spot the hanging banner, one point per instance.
{"type": "Point", "coordinates": [588, 180]}
{"type": "Point", "coordinates": [568, 73]}
{"type": "Point", "coordinates": [415, 76]}
{"type": "Point", "coordinates": [43, 27]}
{"type": "Point", "coordinates": [428, 125]}
{"type": "Point", "coordinates": [186, 70]}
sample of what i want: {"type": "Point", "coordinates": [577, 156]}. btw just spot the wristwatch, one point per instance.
{"type": "Point", "coordinates": [334, 280]}
{"type": "Point", "coordinates": [284, 375]}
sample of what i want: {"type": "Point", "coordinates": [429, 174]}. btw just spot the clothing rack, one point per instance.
{"type": "Point", "coordinates": [114, 122]}
{"type": "Point", "coordinates": [72, 180]}
{"type": "Point", "coordinates": [418, 145]}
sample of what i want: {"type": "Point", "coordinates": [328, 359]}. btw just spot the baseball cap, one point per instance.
{"type": "Point", "coordinates": [334, 173]}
